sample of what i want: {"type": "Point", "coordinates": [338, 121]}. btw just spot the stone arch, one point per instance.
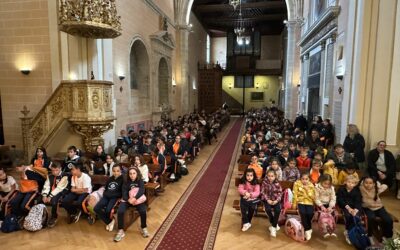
{"type": "Point", "coordinates": [139, 68]}
{"type": "Point", "coordinates": [163, 82]}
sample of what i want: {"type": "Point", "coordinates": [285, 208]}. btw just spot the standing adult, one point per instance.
{"type": "Point", "coordinates": [354, 144]}
{"type": "Point", "coordinates": [381, 164]}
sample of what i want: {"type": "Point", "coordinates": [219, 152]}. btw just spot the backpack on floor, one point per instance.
{"type": "Point", "coordinates": [326, 223]}
{"type": "Point", "coordinates": [184, 170]}
{"type": "Point", "coordinates": [358, 236]}
{"type": "Point", "coordinates": [10, 224]}
{"type": "Point", "coordinates": [294, 229]}
{"type": "Point", "coordinates": [37, 218]}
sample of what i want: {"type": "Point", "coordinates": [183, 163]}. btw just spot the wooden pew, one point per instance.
{"type": "Point", "coordinates": [244, 159]}
{"type": "Point", "coordinates": [153, 168]}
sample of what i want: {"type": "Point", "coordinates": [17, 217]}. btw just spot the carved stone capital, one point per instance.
{"type": "Point", "coordinates": [92, 132]}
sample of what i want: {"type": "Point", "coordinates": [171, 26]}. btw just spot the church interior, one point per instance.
{"type": "Point", "coordinates": [200, 124]}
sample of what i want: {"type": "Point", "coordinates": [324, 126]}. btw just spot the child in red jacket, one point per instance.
{"type": "Point", "coordinates": [303, 162]}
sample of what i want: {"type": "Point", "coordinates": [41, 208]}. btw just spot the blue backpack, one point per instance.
{"type": "Point", "coordinates": [10, 224]}
{"type": "Point", "coordinates": [358, 236]}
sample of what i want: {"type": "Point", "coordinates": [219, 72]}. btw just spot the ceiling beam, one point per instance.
{"type": "Point", "coordinates": [227, 7]}
{"type": "Point", "coordinates": [261, 18]}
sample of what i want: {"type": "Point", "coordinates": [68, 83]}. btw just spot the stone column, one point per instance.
{"type": "Point", "coordinates": [304, 83]}
{"type": "Point", "coordinates": [292, 76]}
{"type": "Point", "coordinates": [330, 74]}
{"type": "Point", "coordinates": [322, 80]}
{"type": "Point", "coordinates": [182, 68]}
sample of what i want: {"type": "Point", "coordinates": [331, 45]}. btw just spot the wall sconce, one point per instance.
{"type": "Point", "coordinates": [121, 78]}
{"type": "Point", "coordinates": [173, 82]}
{"type": "Point", "coordinates": [25, 71]}
{"type": "Point", "coordinates": [340, 90]}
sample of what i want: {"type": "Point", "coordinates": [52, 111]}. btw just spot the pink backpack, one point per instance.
{"type": "Point", "coordinates": [286, 204]}
{"type": "Point", "coordinates": [287, 199]}
{"type": "Point", "coordinates": [140, 200]}
{"type": "Point", "coordinates": [326, 223]}
{"type": "Point", "coordinates": [294, 229]}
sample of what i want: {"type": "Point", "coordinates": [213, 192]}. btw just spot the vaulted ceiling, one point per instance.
{"type": "Point", "coordinates": [218, 17]}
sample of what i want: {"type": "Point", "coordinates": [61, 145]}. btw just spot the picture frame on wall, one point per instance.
{"type": "Point", "coordinates": [257, 96]}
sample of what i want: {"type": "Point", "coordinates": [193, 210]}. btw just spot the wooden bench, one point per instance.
{"type": "Point", "coordinates": [246, 159]}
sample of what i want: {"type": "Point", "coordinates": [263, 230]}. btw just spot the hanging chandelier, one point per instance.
{"type": "Point", "coordinates": [234, 3]}
{"type": "Point", "coordinates": [95, 19]}
{"type": "Point", "coordinates": [240, 31]}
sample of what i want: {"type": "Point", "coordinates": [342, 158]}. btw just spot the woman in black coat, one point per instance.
{"type": "Point", "coordinates": [354, 144]}
{"type": "Point", "coordinates": [381, 164]}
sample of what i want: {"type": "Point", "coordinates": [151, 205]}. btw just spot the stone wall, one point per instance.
{"type": "Point", "coordinates": [24, 43]}
{"type": "Point", "coordinates": [197, 54]}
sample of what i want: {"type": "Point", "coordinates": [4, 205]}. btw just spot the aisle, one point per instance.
{"type": "Point", "coordinates": [194, 220]}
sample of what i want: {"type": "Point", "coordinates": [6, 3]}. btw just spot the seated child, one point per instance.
{"type": "Point", "coordinates": [252, 150]}
{"type": "Point", "coordinates": [40, 159]}
{"type": "Point", "coordinates": [249, 192]}
{"type": "Point", "coordinates": [7, 188]}
{"type": "Point", "coordinates": [291, 172]}
{"type": "Point", "coordinates": [284, 156]}
{"type": "Point", "coordinates": [303, 200]}
{"type": "Point", "coordinates": [271, 195]}
{"type": "Point", "coordinates": [55, 187]}
{"type": "Point", "coordinates": [143, 168]}
{"type": "Point", "coordinates": [263, 160]}
{"type": "Point", "coordinates": [303, 162]}
{"type": "Point", "coordinates": [275, 165]}
{"type": "Point", "coordinates": [132, 195]}
{"type": "Point", "coordinates": [257, 168]}
{"type": "Point", "coordinates": [349, 170]}
{"type": "Point", "coordinates": [373, 207]}
{"type": "Point", "coordinates": [112, 193]}
{"type": "Point", "coordinates": [71, 159]}
{"type": "Point", "coordinates": [109, 164]}
{"type": "Point", "coordinates": [31, 182]}
{"type": "Point", "coordinates": [325, 199]}
{"type": "Point", "coordinates": [293, 152]}
{"type": "Point", "coordinates": [349, 200]}
{"type": "Point", "coordinates": [81, 186]}
{"type": "Point", "coordinates": [120, 156]}
{"type": "Point", "coordinates": [329, 168]}
{"type": "Point", "coordinates": [315, 171]}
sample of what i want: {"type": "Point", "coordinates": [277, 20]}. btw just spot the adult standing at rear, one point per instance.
{"type": "Point", "coordinates": [354, 144]}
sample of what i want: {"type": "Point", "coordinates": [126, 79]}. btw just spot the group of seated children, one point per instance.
{"type": "Point", "coordinates": [355, 198]}
{"type": "Point", "coordinates": [68, 186]}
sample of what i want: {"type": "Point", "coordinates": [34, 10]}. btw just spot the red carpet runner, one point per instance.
{"type": "Point", "coordinates": [190, 227]}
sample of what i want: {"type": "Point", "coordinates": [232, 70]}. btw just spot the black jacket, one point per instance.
{"type": "Point", "coordinates": [113, 187]}
{"type": "Point", "coordinates": [67, 165]}
{"type": "Point", "coordinates": [352, 198]}
{"type": "Point", "coordinates": [340, 165]}
{"type": "Point", "coordinates": [390, 163]}
{"type": "Point", "coordinates": [102, 157]}
{"type": "Point", "coordinates": [301, 123]}
{"type": "Point", "coordinates": [356, 146]}
{"type": "Point", "coordinates": [132, 184]}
